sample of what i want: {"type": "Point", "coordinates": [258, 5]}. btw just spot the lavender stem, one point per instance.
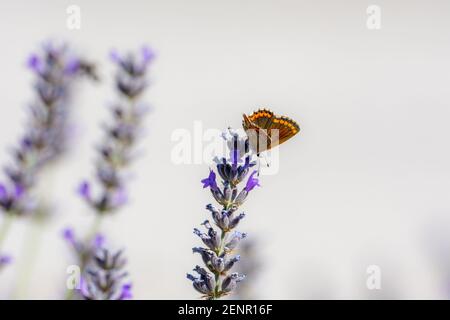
{"type": "Point", "coordinates": [95, 228]}
{"type": "Point", "coordinates": [30, 254]}
{"type": "Point", "coordinates": [219, 253]}
{"type": "Point", "coordinates": [5, 228]}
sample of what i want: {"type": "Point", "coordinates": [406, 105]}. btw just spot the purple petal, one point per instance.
{"type": "Point", "coordinates": [126, 293]}
{"type": "Point", "coordinates": [85, 190]}
{"type": "Point", "coordinates": [99, 241]}
{"type": "Point", "coordinates": [120, 197]}
{"type": "Point", "coordinates": [69, 235]}
{"type": "Point", "coordinates": [210, 181]}
{"type": "Point", "coordinates": [5, 259]}
{"type": "Point", "coordinates": [115, 56]}
{"type": "Point", "coordinates": [147, 54]}
{"type": "Point", "coordinates": [83, 285]}
{"type": "Point", "coordinates": [34, 62]}
{"type": "Point", "coordinates": [252, 182]}
{"type": "Point", "coordinates": [3, 192]}
{"type": "Point", "coordinates": [18, 191]}
{"type": "Point", "coordinates": [72, 67]}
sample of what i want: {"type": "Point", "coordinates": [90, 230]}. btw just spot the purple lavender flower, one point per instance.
{"type": "Point", "coordinates": [215, 281]}
{"type": "Point", "coordinates": [10, 199]}
{"type": "Point", "coordinates": [251, 182]}
{"type": "Point", "coordinates": [210, 181]}
{"type": "Point", "coordinates": [126, 293]}
{"type": "Point", "coordinates": [114, 157]}
{"type": "Point", "coordinates": [105, 278]}
{"type": "Point", "coordinates": [44, 138]}
{"type": "Point", "coordinates": [115, 152]}
{"type": "Point", "coordinates": [82, 249]}
{"type": "Point", "coordinates": [4, 261]}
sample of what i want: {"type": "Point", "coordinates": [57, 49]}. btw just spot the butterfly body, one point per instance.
{"type": "Point", "coordinates": [266, 130]}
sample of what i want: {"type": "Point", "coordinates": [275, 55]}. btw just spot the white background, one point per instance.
{"type": "Point", "coordinates": [367, 181]}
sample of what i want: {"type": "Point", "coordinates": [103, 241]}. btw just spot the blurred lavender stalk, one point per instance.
{"type": "Point", "coordinates": [103, 278]}
{"type": "Point", "coordinates": [116, 150]}
{"type": "Point", "coordinates": [216, 280]}
{"type": "Point", "coordinates": [44, 139]}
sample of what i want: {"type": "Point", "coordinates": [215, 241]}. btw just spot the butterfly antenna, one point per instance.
{"type": "Point", "coordinates": [259, 165]}
{"type": "Point", "coordinates": [266, 160]}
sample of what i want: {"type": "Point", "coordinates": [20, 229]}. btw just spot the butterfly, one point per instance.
{"type": "Point", "coordinates": [266, 130]}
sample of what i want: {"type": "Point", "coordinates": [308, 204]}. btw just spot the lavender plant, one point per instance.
{"type": "Point", "coordinates": [114, 157]}
{"type": "Point", "coordinates": [106, 279]}
{"type": "Point", "coordinates": [55, 69]}
{"type": "Point", "coordinates": [115, 152]}
{"type": "Point", "coordinates": [217, 280]}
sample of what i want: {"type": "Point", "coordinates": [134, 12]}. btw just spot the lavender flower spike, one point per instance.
{"type": "Point", "coordinates": [116, 150]}
{"type": "Point", "coordinates": [44, 138]}
{"type": "Point", "coordinates": [109, 193]}
{"type": "Point", "coordinates": [105, 279]}
{"type": "Point", "coordinates": [216, 280]}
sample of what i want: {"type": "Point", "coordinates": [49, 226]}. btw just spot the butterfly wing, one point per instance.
{"type": "Point", "coordinates": [255, 125]}
{"type": "Point", "coordinates": [266, 120]}
{"type": "Point", "coordinates": [262, 118]}
{"type": "Point", "coordinates": [287, 128]}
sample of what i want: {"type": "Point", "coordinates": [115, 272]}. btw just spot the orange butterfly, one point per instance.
{"type": "Point", "coordinates": [266, 130]}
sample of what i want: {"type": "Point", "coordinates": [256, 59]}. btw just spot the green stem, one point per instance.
{"type": "Point", "coordinates": [5, 227]}
{"type": "Point", "coordinates": [30, 251]}
{"type": "Point", "coordinates": [217, 274]}
{"type": "Point", "coordinates": [95, 227]}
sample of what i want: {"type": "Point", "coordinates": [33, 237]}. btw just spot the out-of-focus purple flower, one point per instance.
{"type": "Point", "coordinates": [34, 62]}
{"type": "Point", "coordinates": [3, 192]}
{"type": "Point", "coordinates": [72, 66]}
{"type": "Point", "coordinates": [114, 156]}
{"type": "Point", "coordinates": [115, 56]}
{"type": "Point", "coordinates": [120, 135]}
{"type": "Point", "coordinates": [4, 260]}
{"type": "Point", "coordinates": [45, 133]}
{"type": "Point", "coordinates": [18, 190]}
{"type": "Point", "coordinates": [84, 190]}
{"type": "Point", "coordinates": [83, 249]}
{"type": "Point", "coordinates": [147, 54]}
{"type": "Point", "coordinates": [126, 292]}
{"type": "Point", "coordinates": [69, 235]}
{"type": "Point", "coordinates": [44, 138]}
{"type": "Point", "coordinates": [120, 198]}
{"type": "Point", "coordinates": [10, 200]}
{"type": "Point", "coordinates": [105, 278]}
{"type": "Point", "coordinates": [133, 69]}
{"type": "Point", "coordinates": [99, 241]}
